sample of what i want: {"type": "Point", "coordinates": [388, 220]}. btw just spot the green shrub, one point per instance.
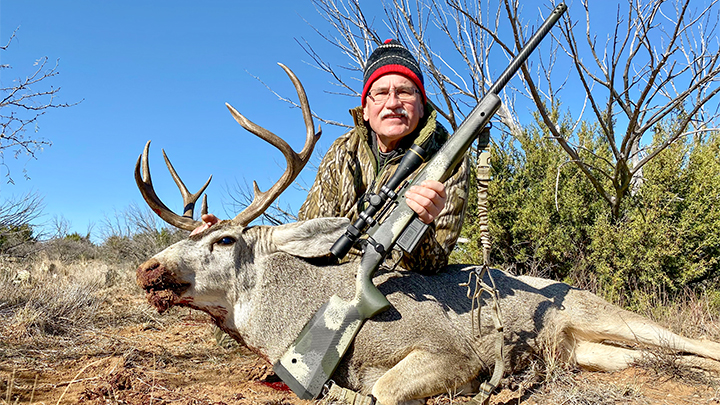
{"type": "Point", "coordinates": [13, 237]}
{"type": "Point", "coordinates": [547, 219]}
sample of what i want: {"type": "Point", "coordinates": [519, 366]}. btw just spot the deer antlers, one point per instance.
{"type": "Point", "coordinates": [144, 183]}
{"type": "Point", "coordinates": [261, 200]}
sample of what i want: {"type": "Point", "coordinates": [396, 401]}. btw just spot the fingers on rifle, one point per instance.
{"type": "Point", "coordinates": [427, 202]}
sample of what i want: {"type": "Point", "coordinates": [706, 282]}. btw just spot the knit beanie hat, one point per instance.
{"type": "Point", "coordinates": [391, 57]}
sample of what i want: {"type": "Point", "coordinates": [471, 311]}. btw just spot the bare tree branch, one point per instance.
{"type": "Point", "coordinates": [22, 103]}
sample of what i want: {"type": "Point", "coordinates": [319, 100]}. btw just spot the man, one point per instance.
{"type": "Point", "coordinates": [394, 114]}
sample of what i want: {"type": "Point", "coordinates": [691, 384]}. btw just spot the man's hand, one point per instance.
{"type": "Point", "coordinates": [208, 221]}
{"type": "Point", "coordinates": [426, 199]}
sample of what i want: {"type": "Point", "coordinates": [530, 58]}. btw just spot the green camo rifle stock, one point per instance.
{"type": "Point", "coordinates": [310, 361]}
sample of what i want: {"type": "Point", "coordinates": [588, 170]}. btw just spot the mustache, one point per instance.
{"type": "Point", "coordinates": [397, 111]}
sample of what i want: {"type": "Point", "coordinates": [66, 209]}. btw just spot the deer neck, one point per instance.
{"type": "Point", "coordinates": [288, 293]}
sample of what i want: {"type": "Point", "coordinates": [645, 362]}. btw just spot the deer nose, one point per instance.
{"type": "Point", "coordinates": [149, 265]}
{"type": "Point", "coordinates": [147, 271]}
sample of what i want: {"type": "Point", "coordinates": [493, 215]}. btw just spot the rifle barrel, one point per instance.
{"type": "Point", "coordinates": [528, 49]}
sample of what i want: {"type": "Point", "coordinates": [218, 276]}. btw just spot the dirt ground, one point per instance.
{"type": "Point", "coordinates": [175, 360]}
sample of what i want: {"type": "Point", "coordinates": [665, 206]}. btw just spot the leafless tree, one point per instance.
{"type": "Point", "coordinates": [135, 233]}
{"type": "Point", "coordinates": [15, 212]}
{"type": "Point", "coordinates": [451, 40]}
{"type": "Point", "coordinates": [658, 65]}
{"type": "Point", "coordinates": [240, 195]}
{"type": "Point", "coordinates": [60, 227]}
{"type": "Point", "coordinates": [22, 102]}
{"type": "Point", "coordinates": [132, 220]}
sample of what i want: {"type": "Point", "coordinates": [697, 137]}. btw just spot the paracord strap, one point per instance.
{"type": "Point", "coordinates": [486, 388]}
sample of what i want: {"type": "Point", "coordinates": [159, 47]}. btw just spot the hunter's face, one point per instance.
{"type": "Point", "coordinates": [393, 108]}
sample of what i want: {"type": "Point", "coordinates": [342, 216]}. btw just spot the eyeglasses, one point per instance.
{"type": "Point", "coordinates": [404, 94]}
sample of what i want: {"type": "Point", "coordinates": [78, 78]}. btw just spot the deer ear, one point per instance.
{"type": "Point", "coordinates": [311, 238]}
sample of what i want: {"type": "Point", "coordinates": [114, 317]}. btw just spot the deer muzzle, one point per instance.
{"type": "Point", "coordinates": [162, 287]}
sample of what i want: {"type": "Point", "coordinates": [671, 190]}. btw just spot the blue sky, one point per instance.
{"type": "Point", "coordinates": [161, 71]}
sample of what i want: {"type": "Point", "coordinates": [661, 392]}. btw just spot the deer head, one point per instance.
{"type": "Point", "coordinates": [198, 271]}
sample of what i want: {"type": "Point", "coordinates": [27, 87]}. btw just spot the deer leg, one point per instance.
{"type": "Point", "coordinates": [422, 374]}
{"type": "Point", "coordinates": [604, 357]}
{"type": "Point", "coordinates": [598, 356]}
{"type": "Point", "coordinates": [588, 318]}
{"type": "Point", "coordinates": [629, 327]}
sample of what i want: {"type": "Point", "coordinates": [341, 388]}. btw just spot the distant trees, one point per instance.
{"type": "Point", "coordinates": [16, 217]}
{"type": "Point", "coordinates": [609, 186]}
{"type": "Point", "coordinates": [657, 60]}
{"type": "Point", "coordinates": [22, 101]}
{"type": "Point", "coordinates": [135, 234]}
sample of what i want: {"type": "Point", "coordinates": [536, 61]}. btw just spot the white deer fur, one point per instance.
{"type": "Point", "coordinates": [262, 290]}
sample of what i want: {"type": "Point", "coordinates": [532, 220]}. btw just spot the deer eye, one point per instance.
{"type": "Point", "coordinates": [226, 241]}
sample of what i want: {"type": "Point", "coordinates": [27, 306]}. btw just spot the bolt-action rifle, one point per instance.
{"type": "Point", "coordinates": [312, 358]}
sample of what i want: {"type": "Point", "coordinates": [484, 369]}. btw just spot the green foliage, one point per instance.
{"type": "Point", "coordinates": [541, 205]}
{"type": "Point", "coordinates": [668, 236]}
{"type": "Point", "coordinates": [76, 237]}
{"type": "Point", "coordinates": [547, 219]}
{"type": "Point", "coordinates": [12, 236]}
{"type": "Point", "coordinates": [70, 248]}
{"type": "Point", "coordinates": [135, 234]}
{"type": "Point", "coordinates": [699, 211]}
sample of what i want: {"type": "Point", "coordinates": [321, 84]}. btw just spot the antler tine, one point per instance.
{"type": "Point", "coordinates": [311, 137]}
{"type": "Point", "coordinates": [144, 183]}
{"type": "Point", "coordinates": [188, 199]}
{"type": "Point", "coordinates": [204, 207]}
{"type": "Point", "coordinates": [295, 161]}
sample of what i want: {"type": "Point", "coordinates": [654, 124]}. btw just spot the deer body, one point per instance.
{"type": "Point", "coordinates": [259, 286]}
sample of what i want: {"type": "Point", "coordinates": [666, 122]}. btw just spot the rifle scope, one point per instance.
{"type": "Point", "coordinates": [414, 157]}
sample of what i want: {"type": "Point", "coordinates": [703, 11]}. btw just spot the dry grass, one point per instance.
{"type": "Point", "coordinates": [668, 365]}
{"type": "Point", "coordinates": [53, 312]}
{"type": "Point", "coordinates": [57, 315]}
{"type": "Point", "coordinates": [47, 297]}
{"type": "Point", "coordinates": [550, 380]}
{"type": "Point", "coordinates": [691, 314]}
{"type": "Point", "coordinates": [65, 314]}
{"type": "Point", "coordinates": [569, 390]}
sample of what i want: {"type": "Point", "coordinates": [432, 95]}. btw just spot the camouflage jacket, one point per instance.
{"type": "Point", "coordinates": [349, 169]}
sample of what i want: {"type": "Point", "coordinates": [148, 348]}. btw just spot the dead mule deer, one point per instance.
{"type": "Point", "coordinates": [261, 286]}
